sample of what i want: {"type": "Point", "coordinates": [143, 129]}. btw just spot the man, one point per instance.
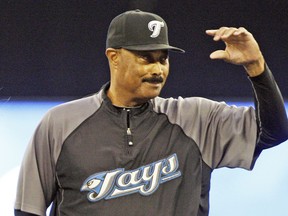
{"type": "Point", "coordinates": [127, 151]}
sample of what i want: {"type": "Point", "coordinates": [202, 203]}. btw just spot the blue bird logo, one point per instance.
{"type": "Point", "coordinates": [93, 185]}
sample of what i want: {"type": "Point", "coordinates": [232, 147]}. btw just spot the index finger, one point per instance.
{"type": "Point", "coordinates": [211, 32]}
{"type": "Point", "coordinates": [221, 32]}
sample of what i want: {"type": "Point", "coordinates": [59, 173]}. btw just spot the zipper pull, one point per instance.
{"type": "Point", "coordinates": [129, 133]}
{"type": "Point", "coordinates": [129, 136]}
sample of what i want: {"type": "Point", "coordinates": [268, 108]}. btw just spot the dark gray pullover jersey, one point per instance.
{"type": "Point", "coordinates": [89, 157]}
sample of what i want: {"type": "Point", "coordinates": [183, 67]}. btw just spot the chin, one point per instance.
{"type": "Point", "coordinates": [153, 95]}
{"type": "Point", "coordinates": [149, 92]}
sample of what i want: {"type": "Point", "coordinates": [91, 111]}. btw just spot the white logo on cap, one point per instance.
{"type": "Point", "coordinates": [155, 26]}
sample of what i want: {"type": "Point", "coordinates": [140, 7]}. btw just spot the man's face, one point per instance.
{"type": "Point", "coordinates": [141, 74]}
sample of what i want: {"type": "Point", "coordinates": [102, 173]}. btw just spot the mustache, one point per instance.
{"type": "Point", "coordinates": [155, 79]}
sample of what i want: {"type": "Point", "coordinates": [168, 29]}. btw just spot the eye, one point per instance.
{"type": "Point", "coordinates": [145, 57]}
{"type": "Point", "coordinates": [90, 183]}
{"type": "Point", "coordinates": [93, 183]}
{"type": "Point", "coordinates": [163, 60]}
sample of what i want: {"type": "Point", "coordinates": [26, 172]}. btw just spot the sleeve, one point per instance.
{"type": "Point", "coordinates": [270, 111]}
{"type": "Point", "coordinates": [36, 183]}
{"type": "Point", "coordinates": [235, 136]}
{"type": "Point", "coordinates": [235, 140]}
{"type": "Point", "coordinates": [21, 213]}
{"type": "Point", "coordinates": [225, 135]}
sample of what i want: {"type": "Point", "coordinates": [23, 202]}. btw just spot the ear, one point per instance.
{"type": "Point", "coordinates": [112, 55]}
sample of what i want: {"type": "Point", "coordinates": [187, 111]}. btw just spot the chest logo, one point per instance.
{"type": "Point", "coordinates": [155, 26]}
{"type": "Point", "coordinates": [144, 180]}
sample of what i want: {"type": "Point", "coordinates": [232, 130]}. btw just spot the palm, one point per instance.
{"type": "Point", "coordinates": [241, 47]}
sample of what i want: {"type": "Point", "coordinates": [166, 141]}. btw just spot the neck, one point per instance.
{"type": "Point", "coordinates": [124, 101]}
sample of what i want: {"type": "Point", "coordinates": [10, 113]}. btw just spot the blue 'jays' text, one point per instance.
{"type": "Point", "coordinates": [144, 180]}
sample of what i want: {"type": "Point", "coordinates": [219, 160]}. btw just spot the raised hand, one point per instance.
{"type": "Point", "coordinates": [241, 49]}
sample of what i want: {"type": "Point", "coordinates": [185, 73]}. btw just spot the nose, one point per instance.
{"type": "Point", "coordinates": [157, 69]}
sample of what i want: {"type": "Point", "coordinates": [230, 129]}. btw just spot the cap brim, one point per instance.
{"type": "Point", "coordinates": [150, 47]}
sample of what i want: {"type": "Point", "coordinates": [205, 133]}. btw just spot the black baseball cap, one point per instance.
{"type": "Point", "coordinates": [139, 30]}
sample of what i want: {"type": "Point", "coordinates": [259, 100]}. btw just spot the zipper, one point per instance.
{"type": "Point", "coordinates": [129, 132]}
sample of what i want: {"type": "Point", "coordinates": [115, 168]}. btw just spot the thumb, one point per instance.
{"type": "Point", "coordinates": [219, 54]}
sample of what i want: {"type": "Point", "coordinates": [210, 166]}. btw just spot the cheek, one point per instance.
{"type": "Point", "coordinates": [132, 76]}
{"type": "Point", "coordinates": [166, 71]}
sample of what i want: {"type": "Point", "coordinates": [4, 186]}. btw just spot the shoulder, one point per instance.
{"type": "Point", "coordinates": [198, 109]}
{"type": "Point", "coordinates": [164, 105]}
{"type": "Point", "coordinates": [71, 114]}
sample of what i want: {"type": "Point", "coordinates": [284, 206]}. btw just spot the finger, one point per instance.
{"type": "Point", "coordinates": [220, 33]}
{"type": "Point", "coordinates": [219, 54]}
{"type": "Point", "coordinates": [211, 32]}
{"type": "Point", "coordinates": [240, 31]}
{"type": "Point", "coordinates": [227, 33]}
{"type": "Point", "coordinates": [214, 33]}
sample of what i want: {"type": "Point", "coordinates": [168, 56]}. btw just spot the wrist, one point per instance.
{"type": "Point", "coordinates": [255, 68]}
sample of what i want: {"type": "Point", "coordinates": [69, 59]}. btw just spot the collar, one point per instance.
{"type": "Point", "coordinates": [117, 110]}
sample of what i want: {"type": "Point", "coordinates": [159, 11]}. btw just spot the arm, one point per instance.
{"type": "Point", "coordinates": [242, 49]}
{"type": "Point", "coordinates": [270, 111]}
{"type": "Point", "coordinates": [37, 185]}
